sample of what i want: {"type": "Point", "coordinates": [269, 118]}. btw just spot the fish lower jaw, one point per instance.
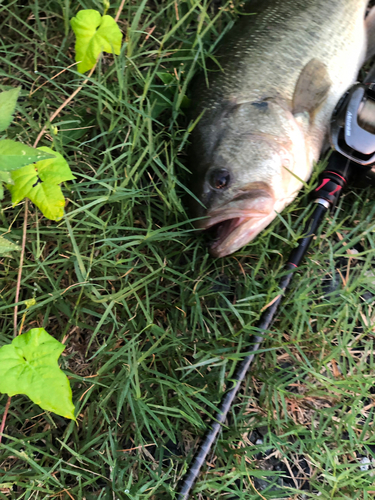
{"type": "Point", "coordinates": [232, 234]}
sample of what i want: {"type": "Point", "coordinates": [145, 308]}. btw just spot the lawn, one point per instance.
{"type": "Point", "coordinates": [153, 325]}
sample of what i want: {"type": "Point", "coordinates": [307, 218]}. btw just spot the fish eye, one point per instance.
{"type": "Point", "coordinates": [219, 179]}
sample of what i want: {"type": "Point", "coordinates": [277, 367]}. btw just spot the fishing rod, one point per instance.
{"type": "Point", "coordinates": [352, 135]}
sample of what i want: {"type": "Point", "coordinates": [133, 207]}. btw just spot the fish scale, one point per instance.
{"type": "Point", "coordinates": [267, 107]}
{"type": "Point", "coordinates": [276, 36]}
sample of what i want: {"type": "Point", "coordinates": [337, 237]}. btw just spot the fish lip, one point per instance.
{"type": "Point", "coordinates": [217, 217]}
{"type": "Point", "coordinates": [244, 230]}
{"type": "Point", "coordinates": [241, 218]}
{"type": "Point", "coordinates": [242, 227]}
{"type": "Point", "coordinates": [226, 212]}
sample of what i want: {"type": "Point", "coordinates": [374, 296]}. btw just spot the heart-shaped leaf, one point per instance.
{"type": "Point", "coordinates": [40, 183]}
{"type": "Point", "coordinates": [94, 34]}
{"type": "Point", "coordinates": [15, 155]}
{"type": "Point", "coordinates": [29, 366]}
{"type": "Point", "coordinates": [8, 100]}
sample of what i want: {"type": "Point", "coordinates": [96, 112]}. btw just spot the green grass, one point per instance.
{"type": "Point", "coordinates": [153, 325]}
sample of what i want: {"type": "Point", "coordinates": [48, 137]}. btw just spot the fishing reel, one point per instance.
{"type": "Point", "coordinates": [352, 130]}
{"type": "Point", "coordinates": [352, 136]}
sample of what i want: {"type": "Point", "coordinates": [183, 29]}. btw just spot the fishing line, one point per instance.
{"type": "Point", "coordinates": [353, 141]}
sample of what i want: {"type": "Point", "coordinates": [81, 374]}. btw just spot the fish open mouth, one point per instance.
{"type": "Point", "coordinates": [229, 234]}
{"type": "Point", "coordinates": [235, 223]}
{"type": "Point", "coordinates": [221, 230]}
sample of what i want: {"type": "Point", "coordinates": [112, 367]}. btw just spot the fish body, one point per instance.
{"type": "Point", "coordinates": [266, 109]}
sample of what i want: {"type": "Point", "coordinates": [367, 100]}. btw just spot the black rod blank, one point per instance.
{"type": "Point", "coordinates": [243, 367]}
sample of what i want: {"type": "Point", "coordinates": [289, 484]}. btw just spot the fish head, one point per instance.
{"type": "Point", "coordinates": [248, 164]}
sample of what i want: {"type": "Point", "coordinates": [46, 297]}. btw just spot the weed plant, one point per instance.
{"type": "Point", "coordinates": [153, 325]}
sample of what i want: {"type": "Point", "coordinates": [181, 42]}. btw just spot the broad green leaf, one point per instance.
{"type": "Point", "coordinates": [29, 366]}
{"type": "Point", "coordinates": [8, 100]}
{"type": "Point", "coordinates": [15, 155]}
{"type": "Point", "coordinates": [7, 246]}
{"type": "Point", "coordinates": [40, 183]}
{"type": "Point", "coordinates": [94, 34]}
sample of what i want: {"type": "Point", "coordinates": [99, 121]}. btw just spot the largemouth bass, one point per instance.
{"type": "Point", "coordinates": [266, 110]}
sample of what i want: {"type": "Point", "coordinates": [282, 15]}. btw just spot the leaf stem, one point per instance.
{"type": "Point", "coordinates": [4, 418]}
{"type": "Point", "coordinates": [67, 101]}
{"type": "Point", "coordinates": [119, 11]}
{"type": "Point", "coordinates": [19, 277]}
